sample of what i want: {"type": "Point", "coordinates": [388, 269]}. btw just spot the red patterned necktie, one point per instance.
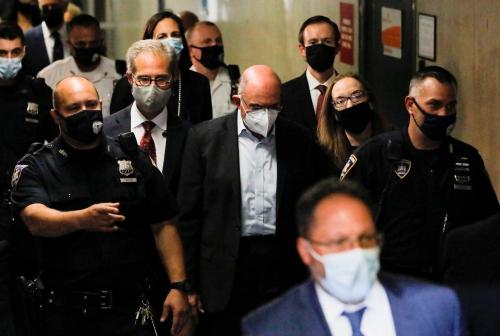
{"type": "Point", "coordinates": [322, 89]}
{"type": "Point", "coordinates": [147, 143]}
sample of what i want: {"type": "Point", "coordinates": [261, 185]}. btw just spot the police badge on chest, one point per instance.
{"type": "Point", "coordinates": [32, 111]}
{"type": "Point", "coordinates": [125, 168]}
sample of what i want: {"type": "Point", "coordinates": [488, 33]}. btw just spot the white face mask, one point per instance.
{"type": "Point", "coordinates": [349, 275]}
{"type": "Point", "coordinates": [261, 121]}
{"type": "Point", "coordinates": [150, 99]}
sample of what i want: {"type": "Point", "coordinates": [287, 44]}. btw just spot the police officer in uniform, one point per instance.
{"type": "Point", "coordinates": [25, 118]}
{"type": "Point", "coordinates": [92, 201]}
{"type": "Point", "coordinates": [423, 182]}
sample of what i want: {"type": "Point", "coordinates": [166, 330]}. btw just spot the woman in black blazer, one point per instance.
{"type": "Point", "coordinates": [190, 99]}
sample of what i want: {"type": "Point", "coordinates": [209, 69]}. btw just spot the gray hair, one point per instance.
{"type": "Point", "coordinates": [154, 47]}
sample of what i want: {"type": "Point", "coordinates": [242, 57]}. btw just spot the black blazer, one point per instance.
{"type": "Point", "coordinates": [297, 103]}
{"type": "Point", "coordinates": [36, 57]}
{"type": "Point", "coordinates": [196, 101]}
{"type": "Point", "coordinates": [177, 129]}
{"type": "Point", "coordinates": [210, 201]}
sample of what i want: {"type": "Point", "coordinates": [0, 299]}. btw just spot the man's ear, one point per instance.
{"type": "Point", "coordinates": [302, 50]}
{"type": "Point", "coordinates": [409, 102]}
{"type": "Point", "coordinates": [236, 100]}
{"type": "Point", "coordinates": [129, 78]}
{"type": "Point", "coordinates": [304, 254]}
{"type": "Point", "coordinates": [55, 116]}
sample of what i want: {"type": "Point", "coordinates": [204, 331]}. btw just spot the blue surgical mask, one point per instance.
{"type": "Point", "coordinates": [174, 42]}
{"type": "Point", "coordinates": [9, 67]}
{"type": "Point", "coordinates": [349, 275]}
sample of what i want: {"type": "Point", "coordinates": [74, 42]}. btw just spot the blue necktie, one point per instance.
{"type": "Point", "coordinates": [355, 321]}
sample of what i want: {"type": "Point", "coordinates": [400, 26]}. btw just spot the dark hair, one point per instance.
{"type": "Point", "coordinates": [440, 74]}
{"type": "Point", "coordinates": [319, 19]}
{"type": "Point", "coordinates": [11, 31]}
{"type": "Point", "coordinates": [321, 190]}
{"type": "Point", "coordinates": [184, 59]}
{"type": "Point", "coordinates": [331, 134]}
{"type": "Point", "coordinates": [83, 20]}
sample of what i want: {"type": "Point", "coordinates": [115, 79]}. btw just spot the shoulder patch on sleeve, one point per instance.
{"type": "Point", "coordinates": [17, 174]}
{"type": "Point", "coordinates": [350, 163]}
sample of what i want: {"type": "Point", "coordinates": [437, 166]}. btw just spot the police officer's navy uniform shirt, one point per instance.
{"type": "Point", "coordinates": [66, 179]}
{"type": "Point", "coordinates": [422, 195]}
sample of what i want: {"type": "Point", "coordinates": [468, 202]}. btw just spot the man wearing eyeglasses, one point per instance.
{"type": "Point", "coordinates": [241, 176]}
{"type": "Point", "coordinates": [346, 296]}
{"type": "Point", "coordinates": [423, 182]}
{"type": "Point", "coordinates": [319, 43]}
{"type": "Point", "coordinates": [85, 41]}
{"type": "Point", "coordinates": [92, 201]}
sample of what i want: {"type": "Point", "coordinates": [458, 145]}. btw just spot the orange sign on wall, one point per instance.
{"type": "Point", "coordinates": [391, 32]}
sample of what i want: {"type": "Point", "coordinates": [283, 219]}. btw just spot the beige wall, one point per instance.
{"type": "Point", "coordinates": [468, 44]}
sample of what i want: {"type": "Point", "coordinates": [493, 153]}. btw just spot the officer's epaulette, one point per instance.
{"type": "Point", "coordinates": [394, 149]}
{"type": "Point", "coordinates": [35, 147]}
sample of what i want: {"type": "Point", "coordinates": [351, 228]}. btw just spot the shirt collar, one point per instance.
{"type": "Point", "coordinates": [335, 307]}
{"type": "Point", "coordinates": [46, 31]}
{"type": "Point", "coordinates": [137, 118]}
{"type": "Point", "coordinates": [313, 82]}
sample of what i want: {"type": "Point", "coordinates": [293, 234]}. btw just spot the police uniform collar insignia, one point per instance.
{"type": "Point", "coordinates": [17, 174]}
{"type": "Point", "coordinates": [63, 152]}
{"type": "Point", "coordinates": [125, 167]}
{"type": "Point", "coordinates": [350, 163]}
{"type": "Point", "coordinates": [402, 168]}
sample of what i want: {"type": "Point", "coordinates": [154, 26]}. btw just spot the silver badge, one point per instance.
{"type": "Point", "coordinates": [125, 167]}
{"type": "Point", "coordinates": [63, 152]}
{"type": "Point", "coordinates": [350, 163]}
{"type": "Point", "coordinates": [32, 108]}
{"type": "Point", "coordinates": [402, 168]}
{"type": "Point", "coordinates": [17, 174]}
{"type": "Point", "coordinates": [96, 126]}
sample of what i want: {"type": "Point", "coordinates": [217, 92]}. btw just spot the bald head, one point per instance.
{"type": "Point", "coordinates": [260, 78]}
{"type": "Point", "coordinates": [73, 90]}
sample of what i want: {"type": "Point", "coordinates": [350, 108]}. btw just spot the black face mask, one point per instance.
{"type": "Point", "coordinates": [355, 118]}
{"type": "Point", "coordinates": [53, 16]}
{"type": "Point", "coordinates": [211, 57]}
{"type": "Point", "coordinates": [85, 126]}
{"type": "Point", "coordinates": [320, 56]}
{"type": "Point", "coordinates": [86, 56]}
{"type": "Point", "coordinates": [436, 127]}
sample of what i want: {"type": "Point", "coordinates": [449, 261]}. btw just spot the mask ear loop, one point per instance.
{"type": "Point", "coordinates": [313, 253]}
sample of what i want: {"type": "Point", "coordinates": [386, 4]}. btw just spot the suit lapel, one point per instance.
{"type": "Point", "coordinates": [173, 148]}
{"type": "Point", "coordinates": [122, 124]}
{"type": "Point", "coordinates": [308, 107]}
{"type": "Point", "coordinates": [402, 313]}
{"type": "Point", "coordinates": [231, 164]}
{"type": "Point", "coordinates": [282, 160]}
{"type": "Point", "coordinates": [311, 319]}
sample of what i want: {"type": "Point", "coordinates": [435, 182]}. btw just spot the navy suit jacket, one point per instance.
{"type": "Point", "coordinates": [297, 103]}
{"type": "Point", "coordinates": [36, 57]}
{"type": "Point", "coordinates": [177, 129]}
{"type": "Point", "coordinates": [418, 309]}
{"type": "Point", "coordinates": [210, 201]}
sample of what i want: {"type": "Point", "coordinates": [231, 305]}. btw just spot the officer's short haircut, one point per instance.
{"type": "Point", "coordinates": [189, 32]}
{"type": "Point", "coordinates": [11, 31]}
{"type": "Point", "coordinates": [319, 19]}
{"type": "Point", "coordinates": [83, 20]}
{"type": "Point", "coordinates": [440, 74]}
{"type": "Point", "coordinates": [151, 46]}
{"type": "Point", "coordinates": [313, 196]}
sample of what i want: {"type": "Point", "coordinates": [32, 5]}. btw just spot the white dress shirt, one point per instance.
{"type": "Point", "coordinates": [158, 135]}
{"type": "Point", "coordinates": [258, 177]}
{"type": "Point", "coordinates": [313, 84]}
{"type": "Point", "coordinates": [220, 91]}
{"type": "Point", "coordinates": [104, 77]}
{"type": "Point", "coordinates": [377, 319]}
{"type": "Point", "coordinates": [49, 40]}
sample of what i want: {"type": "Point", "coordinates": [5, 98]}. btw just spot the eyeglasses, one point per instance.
{"type": "Point", "coordinates": [364, 241]}
{"type": "Point", "coordinates": [339, 103]}
{"type": "Point", "coordinates": [160, 81]}
{"type": "Point", "coordinates": [253, 107]}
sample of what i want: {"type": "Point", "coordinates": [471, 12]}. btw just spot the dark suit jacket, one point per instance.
{"type": "Point", "coordinates": [36, 57]}
{"type": "Point", "coordinates": [297, 103]}
{"type": "Point", "coordinates": [471, 262]}
{"type": "Point", "coordinates": [418, 309]}
{"type": "Point", "coordinates": [210, 201]}
{"type": "Point", "coordinates": [196, 101]}
{"type": "Point", "coordinates": [177, 129]}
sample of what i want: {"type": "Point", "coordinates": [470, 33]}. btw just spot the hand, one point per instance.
{"type": "Point", "coordinates": [196, 307]}
{"type": "Point", "coordinates": [177, 304]}
{"type": "Point", "coordinates": [101, 217]}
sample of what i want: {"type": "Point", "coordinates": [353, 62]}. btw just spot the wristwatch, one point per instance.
{"type": "Point", "coordinates": [184, 286]}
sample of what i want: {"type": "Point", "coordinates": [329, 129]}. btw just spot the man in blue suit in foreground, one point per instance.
{"type": "Point", "coordinates": [346, 296]}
